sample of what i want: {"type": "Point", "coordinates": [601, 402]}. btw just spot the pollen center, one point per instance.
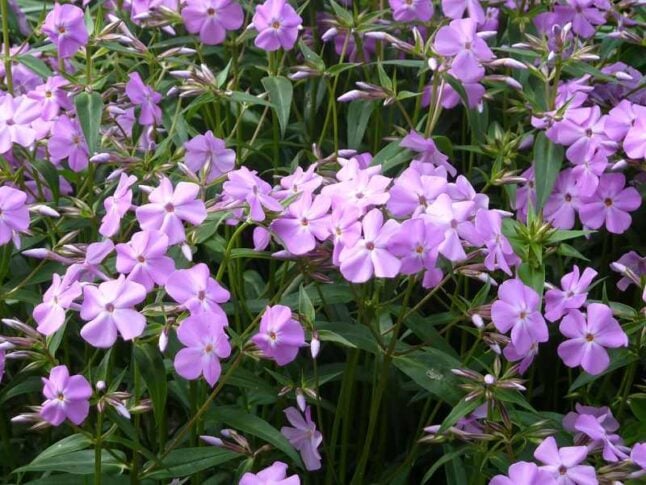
{"type": "Point", "coordinates": [275, 25]}
{"type": "Point", "coordinates": [370, 246]}
{"type": "Point", "coordinates": [608, 202]}
{"type": "Point", "coordinates": [109, 307]}
{"type": "Point", "coordinates": [589, 337]}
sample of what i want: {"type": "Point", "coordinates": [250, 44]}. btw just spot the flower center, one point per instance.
{"type": "Point", "coordinates": [422, 201]}
{"type": "Point", "coordinates": [467, 45]}
{"type": "Point", "coordinates": [568, 198]}
{"type": "Point", "coordinates": [588, 132]}
{"type": "Point", "coordinates": [201, 295]}
{"type": "Point", "coordinates": [208, 349]}
{"type": "Point", "coordinates": [370, 246]}
{"type": "Point", "coordinates": [141, 259]}
{"type": "Point", "coordinates": [359, 195]}
{"type": "Point", "coordinates": [562, 470]}
{"type": "Point", "coordinates": [419, 249]}
{"type": "Point", "coordinates": [169, 207]}
{"type": "Point", "coordinates": [523, 315]}
{"type": "Point", "coordinates": [589, 337]}
{"type": "Point", "coordinates": [275, 25]}
{"type": "Point", "coordinates": [608, 202]}
{"type": "Point", "coordinates": [60, 397]}
{"type": "Point", "coordinates": [304, 221]}
{"type": "Point", "coordinates": [109, 308]}
{"type": "Point", "coordinates": [210, 11]}
{"type": "Point", "coordinates": [273, 336]}
{"type": "Point", "coordinates": [48, 94]}
{"type": "Point", "coordinates": [61, 29]}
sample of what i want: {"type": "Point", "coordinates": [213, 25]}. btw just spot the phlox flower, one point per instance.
{"type": "Point", "coordinates": [364, 188]}
{"type": "Point", "coordinates": [52, 97]}
{"type": "Point", "coordinates": [564, 201]}
{"type": "Point", "coordinates": [16, 115]}
{"type": "Point", "coordinates": [67, 397]}
{"type": "Point", "coordinates": [277, 24]}
{"type": "Point", "coordinates": [416, 243]}
{"type": "Point", "coordinates": [412, 192]}
{"type": "Point", "coordinates": [299, 181]}
{"type": "Point", "coordinates": [451, 217]}
{"type": "Point", "coordinates": [109, 308]}
{"type": "Point", "coordinates": [572, 294]}
{"type": "Point", "coordinates": [146, 98]}
{"type": "Point", "coordinates": [455, 9]}
{"type": "Point", "coordinates": [50, 314]}
{"type": "Point", "coordinates": [211, 19]}
{"type": "Point", "coordinates": [564, 464]}
{"type": "Point", "coordinates": [635, 140]}
{"type": "Point", "coordinates": [603, 414]}
{"type": "Point", "coordinates": [90, 268]}
{"type": "Point", "coordinates": [500, 254]}
{"type": "Point", "coordinates": [243, 185]}
{"type": "Point", "coordinates": [459, 41]}
{"type": "Point", "coordinates": [168, 207]}
{"type": "Point", "coordinates": [208, 153]}
{"type": "Point", "coordinates": [304, 436]}
{"type": "Point", "coordinates": [276, 474]}
{"type": "Point", "coordinates": [117, 205]}
{"type": "Point", "coordinates": [524, 473]}
{"type": "Point", "coordinates": [144, 259]}
{"type": "Point", "coordinates": [68, 142]}
{"type": "Point", "coordinates": [638, 455]}
{"type": "Point", "coordinates": [370, 255]}
{"type": "Point", "coordinates": [589, 337]}
{"type": "Point", "coordinates": [14, 214]}
{"type": "Point", "coordinates": [610, 204]}
{"type": "Point", "coordinates": [525, 359]}
{"type": "Point", "coordinates": [611, 444]}
{"type": "Point", "coordinates": [634, 262]}
{"type": "Point", "coordinates": [583, 14]}
{"type": "Point", "coordinates": [65, 27]}
{"type": "Point", "coordinates": [205, 343]}
{"type": "Point", "coordinates": [427, 150]}
{"type": "Point", "coordinates": [619, 121]}
{"type": "Point", "coordinates": [195, 290]}
{"type": "Point", "coordinates": [279, 336]}
{"type": "Point", "coordinates": [304, 221]}
{"type": "Point", "coordinates": [411, 10]}
{"type": "Point", "coordinates": [518, 309]}
{"type": "Point", "coordinates": [345, 228]}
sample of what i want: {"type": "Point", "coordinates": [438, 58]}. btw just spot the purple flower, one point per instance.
{"type": "Point", "coordinates": [212, 18]}
{"type": "Point", "coordinates": [304, 436]}
{"type": "Point", "coordinates": [65, 27]}
{"type": "Point", "coordinates": [117, 205]}
{"type": "Point", "coordinates": [144, 97]}
{"type": "Point", "coordinates": [67, 397]}
{"type": "Point", "coordinates": [370, 255]}
{"type": "Point", "coordinates": [517, 308]}
{"type": "Point", "coordinates": [412, 192]}
{"type": "Point", "coordinates": [205, 343]}
{"type": "Point", "coordinates": [89, 269]}
{"type": "Point", "coordinates": [526, 359]}
{"type": "Point", "coordinates": [635, 263]}
{"type": "Point", "coordinates": [426, 148]}
{"type": "Point", "coordinates": [583, 14]}
{"type": "Point", "coordinates": [277, 24]}
{"type": "Point", "coordinates": [564, 201]}
{"type": "Point", "coordinates": [611, 444]}
{"type": "Point", "coordinates": [361, 188]}
{"type": "Point", "coordinates": [276, 474]}
{"type": "Point", "coordinates": [603, 415]}
{"type": "Point", "coordinates": [345, 229]}
{"type": "Point", "coordinates": [451, 218]}
{"type": "Point", "coordinates": [589, 337]}
{"type": "Point", "coordinates": [50, 314]}
{"type": "Point", "coordinates": [411, 10]}
{"type": "Point", "coordinates": [245, 186]}
{"type": "Point", "coordinates": [110, 308]}
{"type": "Point", "coordinates": [564, 464]}
{"type": "Point", "coordinates": [455, 9]}
{"type": "Point", "coordinates": [610, 204]}
{"type": "Point", "coordinates": [299, 181]}
{"type": "Point", "coordinates": [638, 455]}
{"type": "Point", "coordinates": [304, 222]}
{"type": "Point", "coordinates": [459, 41]}
{"type": "Point", "coordinates": [279, 336]}
{"type": "Point", "coordinates": [635, 140]}
{"type": "Point", "coordinates": [52, 97]}
{"type": "Point", "coordinates": [500, 254]}
{"type": "Point", "coordinates": [14, 214]}
{"type": "Point", "coordinates": [16, 115]}
{"type": "Point", "coordinates": [416, 244]}
{"type": "Point", "coordinates": [144, 259]}
{"type": "Point", "coordinates": [68, 142]}
{"type": "Point", "coordinates": [168, 208]}
{"type": "Point", "coordinates": [571, 296]}
{"type": "Point", "coordinates": [196, 290]}
{"type": "Point", "coordinates": [210, 154]}
{"type": "Point", "coordinates": [524, 473]}
{"type": "Point", "coordinates": [619, 120]}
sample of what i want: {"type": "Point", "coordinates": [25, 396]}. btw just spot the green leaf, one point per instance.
{"type": "Point", "coordinates": [359, 113]}
{"type": "Point", "coordinates": [431, 369]}
{"type": "Point", "coordinates": [187, 461]}
{"type": "Point", "coordinates": [311, 57]}
{"type": "Point", "coordinates": [253, 425]}
{"type": "Point", "coordinates": [563, 235]}
{"type": "Point", "coordinates": [36, 65]}
{"type": "Point", "coordinates": [439, 463]}
{"type": "Point", "coordinates": [50, 174]}
{"type": "Point", "coordinates": [89, 109]}
{"type": "Point", "coordinates": [349, 335]}
{"type": "Point", "coordinates": [280, 91]}
{"type": "Point", "coordinates": [548, 158]}
{"type": "Point", "coordinates": [77, 462]}
{"type": "Point", "coordinates": [151, 366]}
{"type": "Point", "coordinates": [459, 411]}
{"type": "Point", "coordinates": [533, 277]}
{"type": "Point", "coordinates": [305, 306]}
{"type": "Point", "coordinates": [618, 359]}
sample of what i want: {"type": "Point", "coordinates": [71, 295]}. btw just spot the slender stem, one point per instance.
{"type": "Point", "coordinates": [97, 449]}
{"type": "Point", "coordinates": [4, 5]}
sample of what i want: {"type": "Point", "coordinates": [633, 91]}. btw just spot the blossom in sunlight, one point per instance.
{"type": "Point", "coordinates": [196, 290]}
{"type": "Point", "coordinates": [279, 336]}
{"type": "Point", "coordinates": [276, 474]}
{"type": "Point", "coordinates": [14, 214]}
{"type": "Point", "coordinates": [144, 259]}
{"type": "Point", "coordinates": [65, 27]}
{"type": "Point", "coordinates": [211, 19]}
{"type": "Point", "coordinates": [67, 397]}
{"type": "Point", "coordinates": [277, 24]}
{"type": "Point", "coordinates": [304, 436]}
{"type": "Point", "coordinates": [208, 153]}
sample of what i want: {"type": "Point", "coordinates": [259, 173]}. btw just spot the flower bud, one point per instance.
{"type": "Point", "coordinates": [300, 400]}
{"type": "Point", "coordinates": [101, 386]}
{"type": "Point", "coordinates": [315, 346]}
{"type": "Point", "coordinates": [163, 341]}
{"type": "Point", "coordinates": [212, 440]}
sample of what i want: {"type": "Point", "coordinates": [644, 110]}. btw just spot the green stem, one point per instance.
{"type": "Point", "coordinates": [4, 4]}
{"type": "Point", "coordinates": [97, 449]}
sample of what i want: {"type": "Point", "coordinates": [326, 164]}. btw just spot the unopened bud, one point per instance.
{"type": "Point", "coordinates": [300, 400]}
{"type": "Point", "coordinates": [163, 341]}
{"type": "Point", "coordinates": [44, 210]}
{"type": "Point", "coordinates": [212, 440]}
{"type": "Point", "coordinates": [477, 321]}
{"type": "Point", "coordinates": [315, 346]}
{"type": "Point", "coordinates": [101, 386]}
